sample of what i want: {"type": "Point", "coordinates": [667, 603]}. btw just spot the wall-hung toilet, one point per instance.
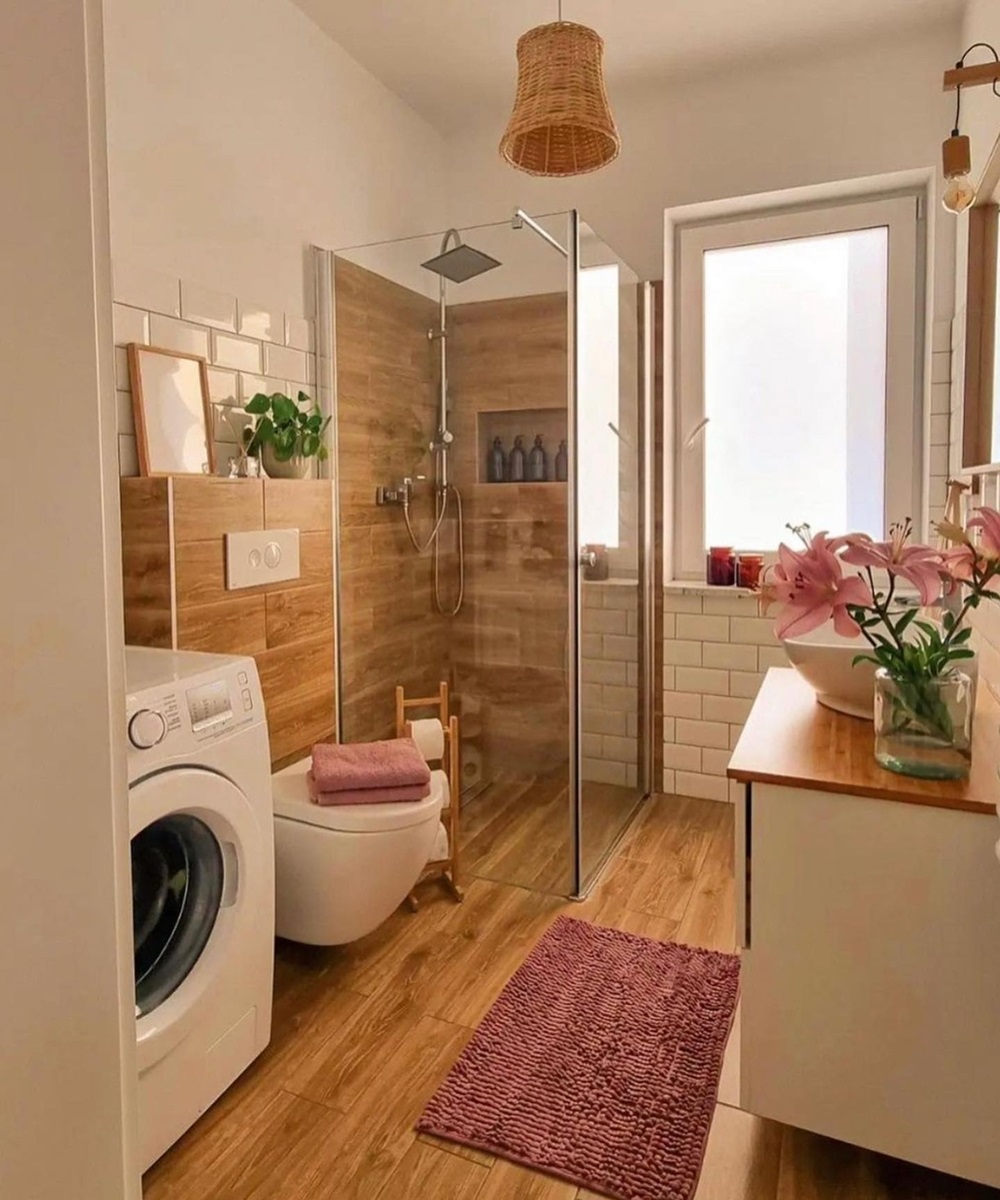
{"type": "Point", "coordinates": [341, 870]}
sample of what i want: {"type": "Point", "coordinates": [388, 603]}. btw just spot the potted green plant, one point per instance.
{"type": "Point", "coordinates": [287, 434]}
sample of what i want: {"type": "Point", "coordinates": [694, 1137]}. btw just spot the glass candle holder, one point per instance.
{"type": "Point", "coordinates": [720, 567]}
{"type": "Point", "coordinates": [748, 569]}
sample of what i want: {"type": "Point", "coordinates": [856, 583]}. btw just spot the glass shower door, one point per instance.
{"type": "Point", "coordinates": [610, 508]}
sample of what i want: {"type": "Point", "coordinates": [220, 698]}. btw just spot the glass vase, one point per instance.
{"type": "Point", "coordinates": [923, 727]}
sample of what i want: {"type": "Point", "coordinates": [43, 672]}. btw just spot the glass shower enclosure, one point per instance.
{"type": "Point", "coordinates": [490, 389]}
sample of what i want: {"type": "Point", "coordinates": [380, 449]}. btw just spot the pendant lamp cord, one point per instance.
{"type": "Point", "coordinates": [959, 65]}
{"type": "Point", "coordinates": [560, 18]}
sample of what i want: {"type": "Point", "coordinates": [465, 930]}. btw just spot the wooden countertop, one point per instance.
{"type": "Point", "coordinates": [792, 739]}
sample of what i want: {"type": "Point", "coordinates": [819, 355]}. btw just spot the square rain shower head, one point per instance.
{"type": "Point", "coordinates": [461, 263]}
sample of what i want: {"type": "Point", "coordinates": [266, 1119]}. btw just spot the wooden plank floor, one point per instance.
{"type": "Point", "coordinates": [364, 1034]}
{"type": "Point", "coordinates": [518, 830]}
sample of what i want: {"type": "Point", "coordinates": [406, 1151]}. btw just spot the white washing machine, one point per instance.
{"type": "Point", "coordinates": [202, 881]}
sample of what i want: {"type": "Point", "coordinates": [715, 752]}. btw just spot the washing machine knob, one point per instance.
{"type": "Point", "coordinates": [146, 729]}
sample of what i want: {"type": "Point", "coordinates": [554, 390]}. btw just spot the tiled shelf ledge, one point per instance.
{"type": "Point", "coordinates": [693, 587]}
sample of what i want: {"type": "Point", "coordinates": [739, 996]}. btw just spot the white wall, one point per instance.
{"type": "Point", "coordinates": [239, 134]}
{"type": "Point", "coordinates": [67, 1036]}
{"type": "Point", "coordinates": [734, 132]}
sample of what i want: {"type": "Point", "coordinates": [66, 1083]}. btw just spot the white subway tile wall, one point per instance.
{"type": "Point", "coordinates": [718, 647]}
{"type": "Point", "coordinates": [939, 425]}
{"type": "Point", "coordinates": [610, 668]}
{"type": "Point", "coordinates": [716, 650]}
{"type": "Point", "coordinates": [148, 309]}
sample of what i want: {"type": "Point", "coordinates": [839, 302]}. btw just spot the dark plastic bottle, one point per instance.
{"type": "Point", "coordinates": [515, 462]}
{"type": "Point", "coordinates": [496, 468]}
{"type": "Point", "coordinates": [562, 464]}
{"type": "Point", "coordinates": [538, 462]}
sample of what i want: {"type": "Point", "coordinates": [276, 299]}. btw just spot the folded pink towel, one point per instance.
{"type": "Point", "coordinates": [394, 764]}
{"type": "Point", "coordinates": [382, 795]}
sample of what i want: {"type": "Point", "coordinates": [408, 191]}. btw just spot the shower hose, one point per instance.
{"type": "Point", "coordinates": [441, 503]}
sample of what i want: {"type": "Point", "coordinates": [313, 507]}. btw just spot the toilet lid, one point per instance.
{"type": "Point", "coordinates": [291, 800]}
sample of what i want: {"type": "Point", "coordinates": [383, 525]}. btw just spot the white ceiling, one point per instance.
{"type": "Point", "coordinates": [454, 60]}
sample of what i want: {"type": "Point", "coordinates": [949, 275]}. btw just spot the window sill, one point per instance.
{"type": "Point", "coordinates": [694, 587]}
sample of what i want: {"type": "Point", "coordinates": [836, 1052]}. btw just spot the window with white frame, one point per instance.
{"type": "Point", "coordinates": [796, 377]}
{"type": "Point", "coordinates": [599, 402]}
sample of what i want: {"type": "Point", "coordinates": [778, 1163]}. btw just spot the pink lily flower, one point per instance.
{"type": "Point", "coordinates": [957, 564]}
{"type": "Point", "coordinates": [988, 521]}
{"type": "Point", "coordinates": [811, 586]}
{"type": "Point", "coordinates": [917, 564]}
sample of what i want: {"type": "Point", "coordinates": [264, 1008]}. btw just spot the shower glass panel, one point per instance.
{"type": "Point", "coordinates": [452, 422]}
{"type": "Point", "coordinates": [611, 524]}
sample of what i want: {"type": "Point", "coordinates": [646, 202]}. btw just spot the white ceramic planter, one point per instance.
{"type": "Point", "coordinates": [296, 467]}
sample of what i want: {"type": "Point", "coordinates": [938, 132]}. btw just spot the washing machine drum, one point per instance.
{"type": "Point", "coordinates": [177, 884]}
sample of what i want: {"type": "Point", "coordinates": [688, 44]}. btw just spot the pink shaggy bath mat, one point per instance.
{"type": "Point", "coordinates": [598, 1063]}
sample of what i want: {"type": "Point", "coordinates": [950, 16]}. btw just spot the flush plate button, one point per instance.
{"type": "Point", "coordinates": [261, 556]}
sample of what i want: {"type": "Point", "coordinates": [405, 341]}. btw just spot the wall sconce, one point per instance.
{"type": "Point", "coordinates": [956, 153]}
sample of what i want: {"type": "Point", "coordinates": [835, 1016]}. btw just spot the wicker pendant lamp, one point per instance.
{"type": "Point", "coordinates": [562, 123]}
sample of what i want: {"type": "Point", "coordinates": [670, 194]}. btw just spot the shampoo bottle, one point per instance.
{"type": "Point", "coordinates": [538, 464]}
{"type": "Point", "coordinates": [562, 464]}
{"type": "Point", "coordinates": [496, 468]}
{"type": "Point", "coordinates": [515, 463]}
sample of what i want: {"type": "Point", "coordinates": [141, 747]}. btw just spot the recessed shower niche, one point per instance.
{"type": "Point", "coordinates": [527, 423]}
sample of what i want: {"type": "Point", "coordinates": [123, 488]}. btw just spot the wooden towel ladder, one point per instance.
{"type": "Point", "coordinates": [445, 869]}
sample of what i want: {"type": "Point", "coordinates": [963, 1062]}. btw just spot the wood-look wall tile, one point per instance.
{"type": "Point", "coordinates": [234, 626]}
{"type": "Point", "coordinates": [299, 614]}
{"type": "Point", "coordinates": [148, 627]}
{"type": "Point", "coordinates": [303, 504]}
{"type": "Point", "coordinates": [209, 508]}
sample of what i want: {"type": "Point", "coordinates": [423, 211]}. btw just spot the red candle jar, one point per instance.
{"type": "Point", "coordinates": [721, 566]}
{"type": "Point", "coordinates": [748, 570]}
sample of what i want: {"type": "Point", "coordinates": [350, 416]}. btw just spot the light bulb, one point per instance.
{"type": "Point", "coordinates": [958, 193]}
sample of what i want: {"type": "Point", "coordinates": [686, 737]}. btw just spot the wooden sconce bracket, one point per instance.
{"type": "Point", "coordinates": [977, 76]}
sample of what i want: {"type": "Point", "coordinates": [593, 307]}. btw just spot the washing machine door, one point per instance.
{"type": "Point", "coordinates": [196, 853]}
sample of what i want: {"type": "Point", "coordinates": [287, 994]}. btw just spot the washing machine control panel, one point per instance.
{"type": "Point", "coordinates": [209, 705]}
{"type": "Point", "coordinates": [190, 712]}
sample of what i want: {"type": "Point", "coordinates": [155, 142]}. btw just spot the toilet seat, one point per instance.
{"type": "Point", "coordinates": [291, 801]}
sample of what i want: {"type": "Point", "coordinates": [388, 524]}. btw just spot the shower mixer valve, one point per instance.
{"type": "Point", "coordinates": [401, 495]}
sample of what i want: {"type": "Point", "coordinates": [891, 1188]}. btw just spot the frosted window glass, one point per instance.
{"type": "Point", "coordinates": [795, 383]}
{"type": "Point", "coordinates": [598, 399]}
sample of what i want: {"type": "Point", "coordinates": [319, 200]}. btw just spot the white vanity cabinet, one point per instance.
{"type": "Point", "coordinates": [869, 919]}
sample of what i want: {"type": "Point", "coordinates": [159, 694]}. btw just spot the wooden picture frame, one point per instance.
{"type": "Point", "coordinates": [173, 415]}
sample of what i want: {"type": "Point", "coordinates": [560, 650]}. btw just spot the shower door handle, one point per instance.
{"type": "Point", "coordinates": [588, 558]}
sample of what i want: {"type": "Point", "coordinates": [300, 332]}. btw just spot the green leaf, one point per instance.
{"type": "Point", "coordinates": [265, 431]}
{"type": "Point", "coordinates": [303, 398]}
{"type": "Point", "coordinates": [258, 404]}
{"type": "Point", "coordinates": [284, 409]}
{"type": "Point", "coordinates": [310, 444]}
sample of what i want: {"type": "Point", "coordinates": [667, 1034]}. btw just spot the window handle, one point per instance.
{"type": "Point", "coordinates": [692, 437]}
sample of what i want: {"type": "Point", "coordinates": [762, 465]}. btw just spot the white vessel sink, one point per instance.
{"type": "Point", "coordinates": [823, 658]}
